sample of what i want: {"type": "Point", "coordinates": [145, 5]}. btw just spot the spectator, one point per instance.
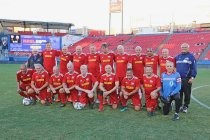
{"type": "Point", "coordinates": [35, 58]}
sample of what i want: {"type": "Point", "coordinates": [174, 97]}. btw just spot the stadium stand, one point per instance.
{"type": "Point", "coordinates": [25, 32]}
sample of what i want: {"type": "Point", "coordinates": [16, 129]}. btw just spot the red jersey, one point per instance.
{"type": "Point", "coordinates": [93, 63]}
{"type": "Point", "coordinates": [130, 85]}
{"type": "Point", "coordinates": [121, 64]}
{"type": "Point", "coordinates": [64, 59]}
{"type": "Point", "coordinates": [79, 60]}
{"type": "Point", "coordinates": [49, 60]}
{"type": "Point", "coordinates": [151, 83]}
{"type": "Point", "coordinates": [162, 62]}
{"type": "Point", "coordinates": [25, 78]}
{"type": "Point", "coordinates": [40, 79]}
{"type": "Point", "coordinates": [56, 81]}
{"type": "Point", "coordinates": [108, 81]}
{"type": "Point", "coordinates": [137, 65]}
{"type": "Point", "coordinates": [70, 79]}
{"type": "Point", "coordinates": [153, 61]}
{"type": "Point", "coordinates": [85, 82]}
{"type": "Point", "coordinates": [106, 59]}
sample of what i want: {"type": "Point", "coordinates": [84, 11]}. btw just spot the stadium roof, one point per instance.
{"type": "Point", "coordinates": [35, 24]}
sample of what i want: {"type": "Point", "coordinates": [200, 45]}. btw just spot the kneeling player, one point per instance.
{"type": "Point", "coordinates": [130, 87]}
{"type": "Point", "coordinates": [55, 84]}
{"type": "Point", "coordinates": [24, 77]}
{"type": "Point", "coordinates": [69, 82]}
{"type": "Point", "coordinates": [39, 83]}
{"type": "Point", "coordinates": [151, 87]}
{"type": "Point", "coordinates": [108, 85]}
{"type": "Point", "coordinates": [86, 84]}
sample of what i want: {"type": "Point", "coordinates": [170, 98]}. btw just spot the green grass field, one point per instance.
{"type": "Point", "coordinates": [53, 123]}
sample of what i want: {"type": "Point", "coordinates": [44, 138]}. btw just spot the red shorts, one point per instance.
{"type": "Point", "coordinates": [84, 99]}
{"type": "Point", "coordinates": [43, 94]}
{"type": "Point", "coordinates": [151, 103]}
{"type": "Point", "coordinates": [113, 98]}
{"type": "Point", "coordinates": [74, 95]}
{"type": "Point", "coordinates": [135, 100]}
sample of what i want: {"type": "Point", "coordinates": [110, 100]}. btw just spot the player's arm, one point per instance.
{"type": "Point", "coordinates": [52, 88]}
{"type": "Point", "coordinates": [65, 87]}
{"type": "Point", "coordinates": [101, 87]}
{"type": "Point", "coordinates": [94, 86]}
{"type": "Point", "coordinates": [33, 86]}
{"type": "Point", "coordinates": [18, 87]}
{"type": "Point", "coordinates": [123, 91]}
{"type": "Point", "coordinates": [81, 89]}
{"type": "Point", "coordinates": [58, 87]}
{"type": "Point", "coordinates": [113, 89]}
{"type": "Point", "coordinates": [134, 91]}
{"type": "Point", "coordinates": [178, 85]}
{"type": "Point", "coordinates": [142, 89]}
{"type": "Point", "coordinates": [44, 86]}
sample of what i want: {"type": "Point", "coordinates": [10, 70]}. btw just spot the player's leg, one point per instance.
{"type": "Point", "coordinates": [113, 97]}
{"type": "Point", "coordinates": [100, 97]}
{"type": "Point", "coordinates": [63, 97]}
{"type": "Point", "coordinates": [136, 101]}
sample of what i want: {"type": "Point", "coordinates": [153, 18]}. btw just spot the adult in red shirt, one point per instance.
{"type": "Point", "coordinates": [49, 58]}
{"type": "Point", "coordinates": [106, 58]}
{"type": "Point", "coordinates": [130, 87]}
{"type": "Point", "coordinates": [39, 83]}
{"type": "Point", "coordinates": [108, 85]}
{"type": "Point", "coordinates": [65, 57]}
{"type": "Point", "coordinates": [163, 59]}
{"type": "Point", "coordinates": [24, 77]}
{"type": "Point", "coordinates": [151, 59]}
{"type": "Point", "coordinates": [151, 87]}
{"type": "Point", "coordinates": [122, 62]}
{"type": "Point", "coordinates": [55, 84]}
{"type": "Point", "coordinates": [86, 84]}
{"type": "Point", "coordinates": [137, 61]}
{"type": "Point", "coordinates": [69, 83]}
{"type": "Point", "coordinates": [93, 62]}
{"type": "Point", "coordinates": [79, 59]}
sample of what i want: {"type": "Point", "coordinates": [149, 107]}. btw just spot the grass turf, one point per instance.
{"type": "Point", "coordinates": [54, 123]}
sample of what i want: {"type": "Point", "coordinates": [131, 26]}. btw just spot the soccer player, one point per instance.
{"type": "Point", "coordinates": [49, 58]}
{"type": "Point", "coordinates": [137, 61]}
{"type": "Point", "coordinates": [35, 58]}
{"type": "Point", "coordinates": [106, 57]}
{"type": "Point", "coordinates": [86, 84]}
{"type": "Point", "coordinates": [171, 85]}
{"type": "Point", "coordinates": [163, 59]}
{"type": "Point", "coordinates": [69, 83]}
{"type": "Point", "coordinates": [108, 85]}
{"type": "Point", "coordinates": [186, 67]}
{"type": "Point", "coordinates": [79, 59]}
{"type": "Point", "coordinates": [151, 87]}
{"type": "Point", "coordinates": [39, 84]}
{"type": "Point", "coordinates": [65, 57]}
{"type": "Point", "coordinates": [55, 84]}
{"type": "Point", "coordinates": [130, 87]}
{"type": "Point", "coordinates": [24, 77]}
{"type": "Point", "coordinates": [151, 59]}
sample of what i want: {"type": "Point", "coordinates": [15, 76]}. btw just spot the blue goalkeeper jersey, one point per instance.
{"type": "Point", "coordinates": [171, 84]}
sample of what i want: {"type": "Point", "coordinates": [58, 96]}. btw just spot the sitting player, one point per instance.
{"type": "Point", "coordinates": [151, 87]}
{"type": "Point", "coordinates": [24, 76]}
{"type": "Point", "coordinates": [108, 85]}
{"type": "Point", "coordinates": [69, 82]}
{"type": "Point", "coordinates": [55, 84]}
{"type": "Point", "coordinates": [86, 84]}
{"type": "Point", "coordinates": [130, 88]}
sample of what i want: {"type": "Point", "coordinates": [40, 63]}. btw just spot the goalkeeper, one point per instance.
{"type": "Point", "coordinates": [171, 85]}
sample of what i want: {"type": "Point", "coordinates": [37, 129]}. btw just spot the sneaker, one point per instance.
{"type": "Point", "coordinates": [97, 101]}
{"type": "Point", "coordinates": [153, 113]}
{"type": "Point", "coordinates": [33, 102]}
{"type": "Point", "coordinates": [62, 105]}
{"type": "Point", "coordinates": [176, 117]}
{"type": "Point", "coordinates": [123, 109]}
{"type": "Point", "coordinates": [150, 114]}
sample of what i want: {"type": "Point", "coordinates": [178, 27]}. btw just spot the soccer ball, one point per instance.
{"type": "Point", "coordinates": [78, 106]}
{"type": "Point", "coordinates": [26, 101]}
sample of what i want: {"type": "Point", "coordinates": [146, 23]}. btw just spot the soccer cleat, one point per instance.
{"type": "Point", "coordinates": [33, 102]}
{"type": "Point", "coordinates": [123, 109]}
{"type": "Point", "coordinates": [184, 109]}
{"type": "Point", "coordinates": [57, 100]}
{"type": "Point", "coordinates": [62, 105]}
{"type": "Point", "coordinates": [97, 101]}
{"type": "Point", "coordinates": [47, 103]}
{"type": "Point", "coordinates": [150, 114]}
{"type": "Point", "coordinates": [176, 117]}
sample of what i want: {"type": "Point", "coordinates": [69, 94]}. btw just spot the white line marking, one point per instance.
{"type": "Point", "coordinates": [196, 100]}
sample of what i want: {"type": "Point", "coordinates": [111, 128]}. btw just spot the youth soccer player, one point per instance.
{"type": "Point", "coordinates": [108, 85]}
{"type": "Point", "coordinates": [151, 87]}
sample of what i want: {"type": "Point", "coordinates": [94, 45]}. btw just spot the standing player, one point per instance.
{"type": "Point", "coordinates": [163, 59]}
{"type": "Point", "coordinates": [151, 59]}
{"type": "Point", "coordinates": [106, 58]}
{"type": "Point", "coordinates": [39, 83]}
{"type": "Point", "coordinates": [79, 59]}
{"type": "Point", "coordinates": [108, 85]}
{"type": "Point", "coordinates": [86, 84]}
{"type": "Point", "coordinates": [69, 83]}
{"type": "Point", "coordinates": [151, 87]}
{"type": "Point", "coordinates": [171, 85]}
{"type": "Point", "coordinates": [130, 87]}
{"type": "Point", "coordinates": [65, 57]}
{"type": "Point", "coordinates": [49, 58]}
{"type": "Point", "coordinates": [24, 76]}
{"type": "Point", "coordinates": [55, 84]}
{"type": "Point", "coordinates": [186, 67]}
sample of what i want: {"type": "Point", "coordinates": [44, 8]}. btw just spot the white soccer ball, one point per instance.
{"type": "Point", "coordinates": [26, 101]}
{"type": "Point", "coordinates": [78, 106]}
